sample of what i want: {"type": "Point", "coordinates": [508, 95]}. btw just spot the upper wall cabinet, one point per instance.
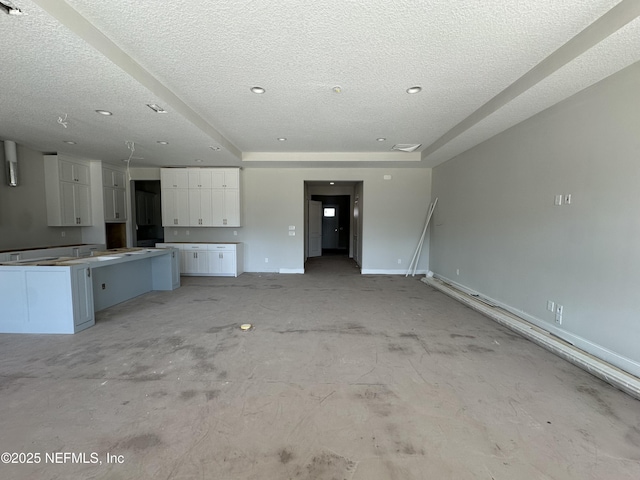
{"type": "Point", "coordinates": [68, 192]}
{"type": "Point", "coordinates": [115, 195]}
{"type": "Point", "coordinates": [200, 197]}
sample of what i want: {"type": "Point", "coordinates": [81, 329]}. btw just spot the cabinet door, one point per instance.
{"type": "Point", "coordinates": [83, 204]}
{"type": "Point", "coordinates": [67, 204]}
{"type": "Point", "coordinates": [227, 263]}
{"type": "Point", "coordinates": [200, 178]}
{"type": "Point", "coordinates": [231, 208]}
{"type": "Point", "coordinates": [200, 211]}
{"type": "Point", "coordinates": [175, 207]}
{"type": "Point", "coordinates": [109, 204]}
{"type": "Point", "coordinates": [174, 178]}
{"type": "Point", "coordinates": [231, 178]}
{"type": "Point", "coordinates": [119, 199]}
{"type": "Point", "coordinates": [82, 296]}
{"type": "Point", "coordinates": [196, 262]}
{"type": "Point", "coordinates": [81, 173]}
{"type": "Point", "coordinates": [222, 263]}
{"type": "Point", "coordinates": [118, 179]}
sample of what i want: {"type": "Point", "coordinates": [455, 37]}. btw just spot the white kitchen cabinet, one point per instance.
{"type": "Point", "coordinates": [113, 178]}
{"type": "Point", "coordinates": [209, 259]}
{"type": "Point", "coordinates": [226, 178]}
{"type": "Point", "coordinates": [222, 260]}
{"type": "Point", "coordinates": [213, 197]}
{"type": "Point", "coordinates": [175, 207]}
{"type": "Point", "coordinates": [67, 192]}
{"type": "Point", "coordinates": [200, 178]}
{"type": "Point", "coordinates": [174, 178]}
{"type": "Point", "coordinates": [115, 204]}
{"type": "Point", "coordinates": [195, 259]}
{"type": "Point", "coordinates": [73, 172]}
{"type": "Point", "coordinates": [200, 207]}
{"type": "Point", "coordinates": [114, 195]}
{"type": "Point", "coordinates": [226, 207]}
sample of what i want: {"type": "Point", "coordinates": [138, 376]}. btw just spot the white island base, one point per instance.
{"type": "Point", "coordinates": [61, 295]}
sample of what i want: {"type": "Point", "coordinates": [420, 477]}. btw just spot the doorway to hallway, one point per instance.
{"type": "Point", "coordinates": [333, 220]}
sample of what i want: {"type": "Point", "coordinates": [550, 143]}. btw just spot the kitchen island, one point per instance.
{"type": "Point", "coordinates": [62, 294]}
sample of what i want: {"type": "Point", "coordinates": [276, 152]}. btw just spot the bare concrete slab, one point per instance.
{"type": "Point", "coordinates": [343, 376]}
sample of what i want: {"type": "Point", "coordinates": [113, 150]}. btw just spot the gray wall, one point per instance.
{"type": "Point", "coordinates": [273, 199]}
{"type": "Point", "coordinates": [23, 211]}
{"type": "Point", "coordinates": [496, 221]}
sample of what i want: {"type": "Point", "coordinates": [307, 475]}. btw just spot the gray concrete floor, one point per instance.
{"type": "Point", "coordinates": [343, 377]}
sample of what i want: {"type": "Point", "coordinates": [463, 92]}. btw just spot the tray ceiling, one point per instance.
{"type": "Point", "coordinates": [483, 66]}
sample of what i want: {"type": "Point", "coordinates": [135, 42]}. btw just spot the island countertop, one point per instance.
{"type": "Point", "coordinates": [62, 294]}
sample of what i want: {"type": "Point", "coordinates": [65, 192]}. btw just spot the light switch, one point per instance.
{"type": "Point", "coordinates": [292, 227]}
{"type": "Point", "coordinates": [558, 200]}
{"type": "Point", "coordinates": [292, 234]}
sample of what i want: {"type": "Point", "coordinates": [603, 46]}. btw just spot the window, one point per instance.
{"type": "Point", "coordinates": [330, 212]}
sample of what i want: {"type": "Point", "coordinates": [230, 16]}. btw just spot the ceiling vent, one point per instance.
{"type": "Point", "coordinates": [11, 159]}
{"type": "Point", "coordinates": [406, 147]}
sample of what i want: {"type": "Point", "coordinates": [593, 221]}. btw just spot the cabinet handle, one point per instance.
{"type": "Point", "coordinates": [88, 272]}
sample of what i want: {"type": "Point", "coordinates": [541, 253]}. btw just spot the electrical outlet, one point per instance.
{"type": "Point", "coordinates": [187, 232]}
{"type": "Point", "coordinates": [235, 233]}
{"type": "Point", "coordinates": [551, 306]}
{"type": "Point", "coordinates": [559, 309]}
{"type": "Point", "coordinates": [558, 319]}
{"type": "Point", "coordinates": [567, 199]}
{"type": "Point", "coordinates": [175, 232]}
{"type": "Point", "coordinates": [62, 233]}
{"type": "Point", "coordinates": [399, 261]}
{"type": "Point", "coordinates": [266, 260]}
{"type": "Point", "coordinates": [457, 271]}
{"type": "Point", "coordinates": [104, 286]}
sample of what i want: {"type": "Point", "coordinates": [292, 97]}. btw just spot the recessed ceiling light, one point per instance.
{"type": "Point", "coordinates": [381, 139]}
{"type": "Point", "coordinates": [69, 142]}
{"type": "Point", "coordinates": [415, 89]}
{"type": "Point", "coordinates": [337, 89]}
{"type": "Point", "coordinates": [197, 160]}
{"type": "Point", "coordinates": [163, 142]}
{"type": "Point", "coordinates": [282, 139]}
{"type": "Point", "coordinates": [258, 90]}
{"type": "Point", "coordinates": [104, 112]}
{"type": "Point", "coordinates": [156, 108]}
{"type": "Point", "coordinates": [214, 148]}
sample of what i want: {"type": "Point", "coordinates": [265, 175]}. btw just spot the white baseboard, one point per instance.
{"type": "Point", "coordinates": [376, 271]}
{"type": "Point", "coordinates": [621, 372]}
{"type": "Point", "coordinates": [291, 270]}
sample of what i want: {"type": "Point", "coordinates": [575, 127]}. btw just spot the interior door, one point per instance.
{"type": "Point", "coordinates": [330, 227]}
{"type": "Point", "coordinates": [315, 228]}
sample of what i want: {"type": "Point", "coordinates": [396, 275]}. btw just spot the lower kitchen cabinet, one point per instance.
{"type": "Point", "coordinates": [209, 259]}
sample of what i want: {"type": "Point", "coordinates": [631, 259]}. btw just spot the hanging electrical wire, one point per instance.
{"type": "Point", "coordinates": [131, 146]}
{"type": "Point", "coordinates": [63, 121]}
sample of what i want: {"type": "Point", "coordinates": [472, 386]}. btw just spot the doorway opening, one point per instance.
{"type": "Point", "coordinates": [333, 221]}
{"type": "Point", "coordinates": [147, 216]}
{"type": "Point", "coordinates": [336, 223]}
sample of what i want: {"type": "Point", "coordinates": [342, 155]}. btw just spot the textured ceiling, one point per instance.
{"type": "Point", "coordinates": [198, 59]}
